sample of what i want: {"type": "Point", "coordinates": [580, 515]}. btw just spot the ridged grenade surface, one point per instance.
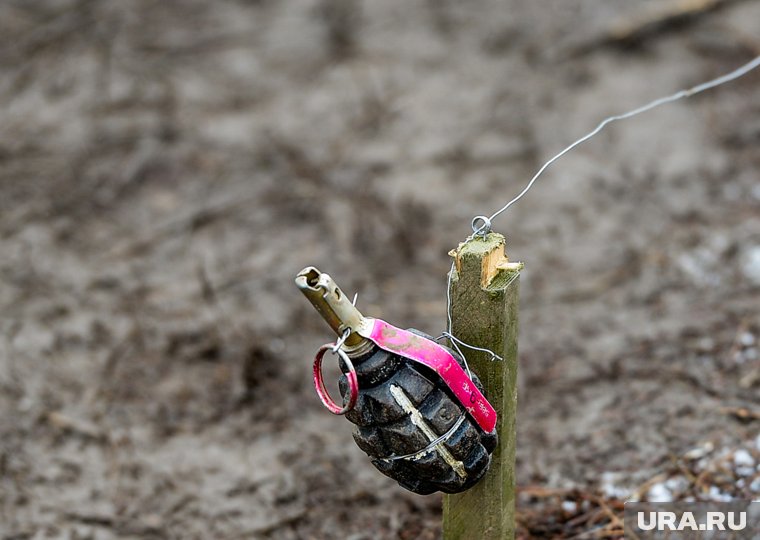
{"type": "Point", "coordinates": [385, 426]}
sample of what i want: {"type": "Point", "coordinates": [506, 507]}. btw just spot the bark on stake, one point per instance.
{"type": "Point", "coordinates": [484, 303]}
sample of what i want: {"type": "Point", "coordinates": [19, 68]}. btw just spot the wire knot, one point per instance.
{"type": "Point", "coordinates": [481, 226]}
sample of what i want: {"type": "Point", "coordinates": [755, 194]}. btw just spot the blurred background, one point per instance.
{"type": "Point", "coordinates": [166, 168]}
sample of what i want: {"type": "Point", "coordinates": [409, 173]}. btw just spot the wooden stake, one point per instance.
{"type": "Point", "coordinates": [484, 303]}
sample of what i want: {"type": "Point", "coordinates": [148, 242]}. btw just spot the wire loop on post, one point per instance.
{"type": "Point", "coordinates": [481, 225]}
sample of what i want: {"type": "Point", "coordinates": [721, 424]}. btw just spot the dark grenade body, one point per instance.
{"type": "Point", "coordinates": [386, 427]}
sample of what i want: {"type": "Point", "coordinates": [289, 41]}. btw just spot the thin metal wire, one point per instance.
{"type": "Point", "coordinates": [739, 72]}
{"type": "Point", "coordinates": [450, 336]}
{"type": "Point", "coordinates": [341, 340]}
{"type": "Point", "coordinates": [448, 297]}
{"type": "Point", "coordinates": [463, 357]}
{"type": "Point", "coordinates": [483, 229]}
{"type": "Point", "coordinates": [454, 340]}
{"type": "Point", "coordinates": [430, 447]}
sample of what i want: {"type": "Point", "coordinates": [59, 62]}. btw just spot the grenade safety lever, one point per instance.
{"type": "Point", "coordinates": [362, 334]}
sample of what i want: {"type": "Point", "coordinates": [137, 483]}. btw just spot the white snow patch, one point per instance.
{"type": "Point", "coordinates": [677, 484]}
{"type": "Point", "coordinates": [743, 458]}
{"type": "Point", "coordinates": [751, 264]}
{"type": "Point", "coordinates": [610, 488]}
{"type": "Point", "coordinates": [659, 493]}
{"type": "Point", "coordinates": [700, 451]}
{"type": "Point", "coordinates": [755, 485]}
{"type": "Point", "coordinates": [570, 507]}
{"type": "Point", "coordinates": [747, 339]}
{"type": "Point", "coordinates": [717, 495]}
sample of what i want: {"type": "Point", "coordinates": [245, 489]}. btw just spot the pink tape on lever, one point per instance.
{"type": "Point", "coordinates": [432, 355]}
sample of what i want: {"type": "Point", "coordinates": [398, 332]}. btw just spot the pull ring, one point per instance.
{"type": "Point", "coordinates": [319, 383]}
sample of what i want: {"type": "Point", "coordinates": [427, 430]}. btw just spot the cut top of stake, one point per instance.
{"type": "Point", "coordinates": [481, 225]}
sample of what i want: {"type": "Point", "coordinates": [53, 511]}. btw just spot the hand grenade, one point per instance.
{"type": "Point", "coordinates": [420, 415]}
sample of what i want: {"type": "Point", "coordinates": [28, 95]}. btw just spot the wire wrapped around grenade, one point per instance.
{"type": "Point", "coordinates": [419, 417]}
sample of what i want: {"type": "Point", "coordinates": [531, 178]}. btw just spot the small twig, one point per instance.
{"type": "Point", "coordinates": [272, 526]}
{"type": "Point", "coordinates": [644, 488]}
{"type": "Point", "coordinates": [662, 18]}
{"type": "Point", "coordinates": [741, 413]}
{"type": "Point", "coordinates": [696, 481]}
{"type": "Point", "coordinates": [78, 426]}
{"type": "Point", "coordinates": [614, 519]}
{"type": "Point", "coordinates": [91, 519]}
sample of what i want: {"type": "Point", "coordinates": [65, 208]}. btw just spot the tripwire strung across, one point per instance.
{"type": "Point", "coordinates": [482, 224]}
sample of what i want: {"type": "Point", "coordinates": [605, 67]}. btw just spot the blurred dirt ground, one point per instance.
{"type": "Point", "coordinates": [167, 167]}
